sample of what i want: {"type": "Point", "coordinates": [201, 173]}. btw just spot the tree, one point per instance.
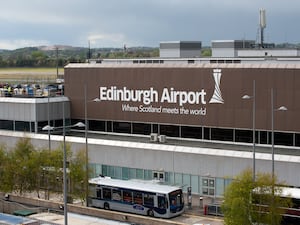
{"type": "Point", "coordinates": [26, 169]}
{"type": "Point", "coordinates": [3, 165]}
{"type": "Point", "coordinates": [206, 52]}
{"type": "Point", "coordinates": [238, 207]}
{"type": "Point", "coordinates": [21, 166]}
{"type": "Point", "coordinates": [78, 175]}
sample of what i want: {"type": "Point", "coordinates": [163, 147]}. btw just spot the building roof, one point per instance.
{"type": "Point", "coordinates": [279, 63]}
{"type": "Point", "coordinates": [148, 186]}
{"type": "Point", "coordinates": [185, 147]}
{"type": "Point", "coordinates": [31, 100]}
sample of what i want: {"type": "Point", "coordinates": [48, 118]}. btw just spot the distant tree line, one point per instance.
{"type": "Point", "coordinates": [35, 57]}
{"type": "Point", "coordinates": [25, 169]}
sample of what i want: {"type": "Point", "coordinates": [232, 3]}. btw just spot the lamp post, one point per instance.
{"type": "Point", "coordinates": [281, 108]}
{"type": "Point", "coordinates": [49, 142]}
{"type": "Point", "coordinates": [86, 147]}
{"type": "Point", "coordinates": [253, 125]}
{"type": "Point", "coordinates": [49, 128]}
{"type": "Point", "coordinates": [86, 142]}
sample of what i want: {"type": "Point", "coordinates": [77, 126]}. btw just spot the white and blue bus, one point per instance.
{"type": "Point", "coordinates": [290, 214]}
{"type": "Point", "coordinates": [140, 197]}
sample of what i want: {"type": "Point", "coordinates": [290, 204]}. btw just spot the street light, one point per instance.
{"type": "Point", "coordinates": [253, 125]}
{"type": "Point", "coordinates": [281, 108]}
{"type": "Point", "coordinates": [50, 128]}
{"type": "Point", "coordinates": [86, 143]}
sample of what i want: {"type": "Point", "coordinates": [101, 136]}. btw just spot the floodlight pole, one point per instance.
{"type": "Point", "coordinates": [272, 127]}
{"type": "Point", "coordinates": [253, 97]}
{"type": "Point", "coordinates": [86, 146]}
{"type": "Point", "coordinates": [65, 182]}
{"type": "Point", "coordinates": [281, 108]}
{"type": "Point", "coordinates": [65, 168]}
{"type": "Point", "coordinates": [253, 127]}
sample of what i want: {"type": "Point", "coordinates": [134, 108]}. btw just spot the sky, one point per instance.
{"type": "Point", "coordinates": [115, 23]}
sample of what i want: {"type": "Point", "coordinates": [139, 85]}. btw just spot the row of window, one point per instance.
{"type": "Point", "coordinates": [220, 134]}
{"type": "Point", "coordinates": [126, 196]}
{"type": "Point", "coordinates": [207, 133]}
{"type": "Point", "coordinates": [207, 186]}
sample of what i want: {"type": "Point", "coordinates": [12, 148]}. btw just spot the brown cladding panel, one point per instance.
{"type": "Point", "coordinates": [234, 83]}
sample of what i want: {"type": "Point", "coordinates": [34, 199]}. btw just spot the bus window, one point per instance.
{"type": "Point", "coordinates": [162, 202]}
{"type": "Point", "coordinates": [176, 198]}
{"type": "Point", "coordinates": [137, 198]}
{"type": "Point", "coordinates": [149, 200]}
{"type": "Point", "coordinates": [106, 193]}
{"type": "Point", "coordinates": [99, 193]}
{"type": "Point", "coordinates": [127, 196]}
{"type": "Point", "coordinates": [116, 195]}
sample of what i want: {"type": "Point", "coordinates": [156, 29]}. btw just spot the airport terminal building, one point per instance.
{"type": "Point", "coordinates": [183, 120]}
{"type": "Point", "coordinates": [186, 120]}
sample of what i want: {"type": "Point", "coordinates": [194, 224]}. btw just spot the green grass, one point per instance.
{"type": "Point", "coordinates": [29, 75]}
{"type": "Point", "coordinates": [30, 70]}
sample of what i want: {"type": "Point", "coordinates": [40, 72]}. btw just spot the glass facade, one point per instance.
{"type": "Point", "coordinates": [204, 186]}
{"type": "Point", "coordinates": [194, 132]}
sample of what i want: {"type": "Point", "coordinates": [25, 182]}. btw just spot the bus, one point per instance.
{"type": "Point", "coordinates": [291, 214]}
{"type": "Point", "coordinates": [139, 197]}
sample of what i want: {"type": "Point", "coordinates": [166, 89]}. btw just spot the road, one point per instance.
{"type": "Point", "coordinates": [76, 219]}
{"type": "Point", "coordinates": [189, 219]}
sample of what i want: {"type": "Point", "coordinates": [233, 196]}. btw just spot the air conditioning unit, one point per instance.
{"type": "Point", "coordinates": [162, 138]}
{"type": "Point", "coordinates": [153, 137]}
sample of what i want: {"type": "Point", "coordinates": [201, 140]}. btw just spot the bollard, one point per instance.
{"type": "Point", "coordinates": [201, 202]}
{"type": "Point", "coordinates": [205, 210]}
{"type": "Point", "coordinates": [189, 190]}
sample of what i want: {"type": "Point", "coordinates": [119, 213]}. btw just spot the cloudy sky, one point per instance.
{"type": "Point", "coordinates": [113, 23]}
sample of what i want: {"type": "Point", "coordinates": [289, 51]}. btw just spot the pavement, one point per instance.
{"type": "Point", "coordinates": [195, 214]}
{"type": "Point", "coordinates": [73, 219]}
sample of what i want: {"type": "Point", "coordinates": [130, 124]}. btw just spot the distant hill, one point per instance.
{"type": "Point", "coordinates": [49, 56]}
{"type": "Point", "coordinates": [70, 51]}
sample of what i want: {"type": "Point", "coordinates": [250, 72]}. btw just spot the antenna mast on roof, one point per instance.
{"type": "Point", "coordinates": [262, 25]}
{"type": "Point", "coordinates": [89, 53]}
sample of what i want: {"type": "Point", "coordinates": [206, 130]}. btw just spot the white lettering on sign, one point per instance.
{"type": "Point", "coordinates": [127, 95]}
{"type": "Point", "coordinates": [154, 100]}
{"type": "Point", "coordinates": [183, 97]}
{"type": "Point", "coordinates": [151, 96]}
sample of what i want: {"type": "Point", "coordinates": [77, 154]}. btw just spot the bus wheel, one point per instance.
{"type": "Point", "coordinates": [150, 213]}
{"type": "Point", "coordinates": [106, 206]}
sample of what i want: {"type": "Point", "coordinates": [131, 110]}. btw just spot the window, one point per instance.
{"type": "Point", "coordinates": [118, 172]}
{"type": "Point", "coordinates": [141, 128]}
{"type": "Point", "coordinates": [139, 174]}
{"type": "Point", "coordinates": [104, 170]}
{"type": "Point", "coordinates": [169, 130]}
{"type": "Point", "coordinates": [107, 193]}
{"type": "Point", "coordinates": [211, 183]}
{"type": "Point", "coordinates": [137, 198]}
{"type": "Point", "coordinates": [208, 186]}
{"type": "Point", "coordinates": [162, 202]}
{"type": "Point", "coordinates": [191, 132]}
{"type": "Point", "coordinates": [149, 200]}
{"type": "Point", "coordinates": [98, 193]}
{"type": "Point", "coordinates": [205, 191]}
{"type": "Point", "coordinates": [148, 174]}
{"type": "Point", "coordinates": [125, 173]}
{"type": "Point", "coordinates": [116, 195]}
{"type": "Point", "coordinates": [159, 175]}
{"type": "Point", "coordinates": [132, 173]}
{"type": "Point", "coordinates": [122, 127]}
{"type": "Point", "coordinates": [127, 196]}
